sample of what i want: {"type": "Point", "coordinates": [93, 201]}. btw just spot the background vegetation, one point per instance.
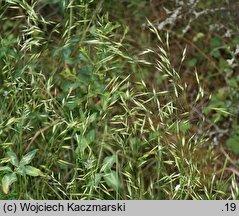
{"type": "Point", "coordinates": [119, 99]}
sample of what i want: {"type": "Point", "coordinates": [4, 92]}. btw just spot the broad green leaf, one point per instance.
{"type": "Point", "coordinates": [216, 42]}
{"type": "Point", "coordinates": [215, 53]}
{"type": "Point", "coordinates": [112, 180]}
{"type": "Point", "coordinates": [95, 180]}
{"type": "Point", "coordinates": [32, 171]}
{"type": "Point", "coordinates": [93, 117]}
{"type": "Point", "coordinates": [83, 143]}
{"type": "Point", "coordinates": [21, 170]}
{"type": "Point", "coordinates": [108, 163]}
{"type": "Point", "coordinates": [5, 168]}
{"type": "Point", "coordinates": [7, 181]}
{"type": "Point", "coordinates": [233, 140]}
{"type": "Point", "coordinates": [26, 159]}
{"type": "Point", "coordinates": [13, 158]}
{"type": "Point", "coordinates": [91, 136]}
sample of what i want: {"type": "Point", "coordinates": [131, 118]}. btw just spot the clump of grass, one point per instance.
{"type": "Point", "coordinates": [69, 89]}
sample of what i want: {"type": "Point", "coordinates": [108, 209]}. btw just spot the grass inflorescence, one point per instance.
{"type": "Point", "coordinates": [78, 119]}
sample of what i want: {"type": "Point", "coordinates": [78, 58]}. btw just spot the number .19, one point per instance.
{"type": "Point", "coordinates": [231, 206]}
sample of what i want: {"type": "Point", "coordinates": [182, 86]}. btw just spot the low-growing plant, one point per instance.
{"type": "Point", "coordinates": [16, 168]}
{"type": "Point", "coordinates": [72, 87]}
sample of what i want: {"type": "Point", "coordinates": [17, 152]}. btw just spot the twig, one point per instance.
{"type": "Point", "coordinates": [228, 157]}
{"type": "Point", "coordinates": [39, 132]}
{"type": "Point", "coordinates": [228, 169]}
